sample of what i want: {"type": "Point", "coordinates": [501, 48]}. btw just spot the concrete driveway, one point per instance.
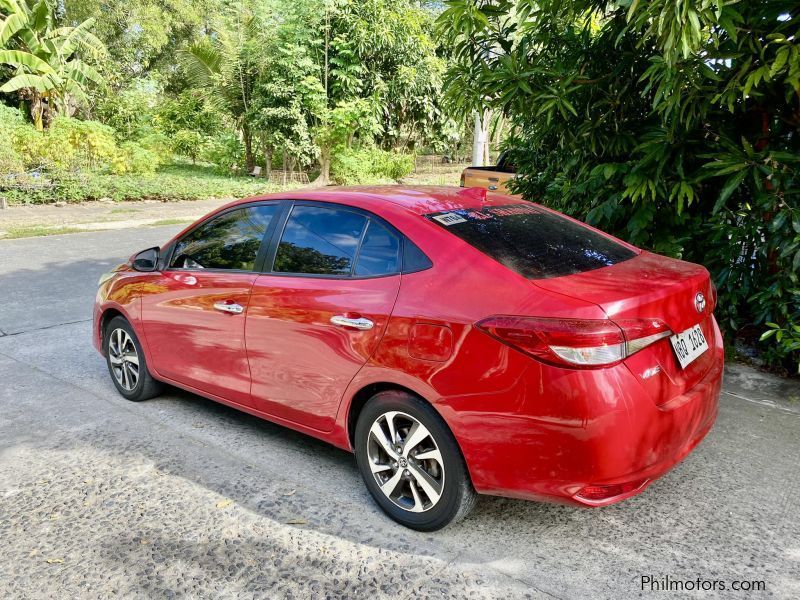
{"type": "Point", "coordinates": [179, 496]}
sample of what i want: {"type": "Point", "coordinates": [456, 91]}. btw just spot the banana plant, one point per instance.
{"type": "Point", "coordinates": [46, 61]}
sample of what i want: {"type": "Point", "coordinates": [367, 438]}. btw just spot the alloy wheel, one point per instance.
{"type": "Point", "coordinates": [405, 461]}
{"type": "Point", "coordinates": [124, 359]}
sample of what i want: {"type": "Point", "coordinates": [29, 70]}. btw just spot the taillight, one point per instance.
{"type": "Point", "coordinates": [577, 343]}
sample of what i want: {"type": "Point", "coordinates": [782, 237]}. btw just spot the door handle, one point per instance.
{"type": "Point", "coordinates": [233, 308]}
{"type": "Point", "coordinates": [360, 323]}
{"type": "Point", "coordinates": [492, 188]}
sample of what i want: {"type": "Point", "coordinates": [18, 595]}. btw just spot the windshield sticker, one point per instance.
{"type": "Point", "coordinates": [450, 218]}
{"type": "Point", "coordinates": [454, 217]}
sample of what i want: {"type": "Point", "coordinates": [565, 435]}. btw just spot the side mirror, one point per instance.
{"type": "Point", "coordinates": [147, 260]}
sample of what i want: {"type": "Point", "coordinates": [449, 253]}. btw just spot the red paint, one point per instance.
{"type": "Point", "coordinates": [301, 364]}
{"type": "Point", "coordinates": [527, 428]}
{"type": "Point", "coordinates": [427, 341]}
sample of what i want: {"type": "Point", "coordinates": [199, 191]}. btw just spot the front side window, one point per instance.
{"type": "Point", "coordinates": [319, 240]}
{"type": "Point", "coordinates": [229, 241]}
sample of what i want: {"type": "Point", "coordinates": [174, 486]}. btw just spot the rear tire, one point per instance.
{"type": "Point", "coordinates": [411, 463]}
{"type": "Point", "coordinates": [126, 362]}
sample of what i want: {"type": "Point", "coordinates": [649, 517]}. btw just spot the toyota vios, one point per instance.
{"type": "Point", "coordinates": [458, 342]}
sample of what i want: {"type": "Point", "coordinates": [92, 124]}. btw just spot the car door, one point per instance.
{"type": "Point", "coordinates": [193, 312]}
{"type": "Point", "coordinates": [319, 314]}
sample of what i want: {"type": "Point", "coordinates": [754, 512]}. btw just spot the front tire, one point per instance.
{"type": "Point", "coordinates": [411, 463]}
{"type": "Point", "coordinates": [126, 362]}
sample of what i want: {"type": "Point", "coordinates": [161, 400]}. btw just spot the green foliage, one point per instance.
{"type": "Point", "coordinates": [224, 65]}
{"type": "Point", "coordinates": [130, 112]}
{"type": "Point", "coordinates": [187, 143]}
{"type": "Point", "coordinates": [69, 145]}
{"type": "Point", "coordinates": [288, 98]}
{"type": "Point", "coordinates": [47, 60]}
{"type": "Point", "coordinates": [142, 36]}
{"type": "Point", "coordinates": [369, 165]}
{"type": "Point", "coordinates": [787, 338]}
{"type": "Point", "coordinates": [226, 151]}
{"type": "Point", "coordinates": [136, 158]}
{"type": "Point", "coordinates": [170, 183]}
{"type": "Point", "coordinates": [671, 123]}
{"type": "Point", "coordinates": [188, 111]}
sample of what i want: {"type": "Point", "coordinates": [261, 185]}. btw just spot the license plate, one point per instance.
{"type": "Point", "coordinates": [688, 345]}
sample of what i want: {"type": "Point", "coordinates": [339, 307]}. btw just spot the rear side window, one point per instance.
{"type": "Point", "coordinates": [533, 242]}
{"type": "Point", "coordinates": [229, 241]}
{"type": "Point", "coordinates": [320, 241]}
{"type": "Point", "coordinates": [380, 252]}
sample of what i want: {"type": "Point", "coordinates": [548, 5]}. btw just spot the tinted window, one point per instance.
{"type": "Point", "coordinates": [319, 240]}
{"type": "Point", "coordinates": [413, 258]}
{"type": "Point", "coordinates": [380, 251]}
{"type": "Point", "coordinates": [533, 242]}
{"type": "Point", "coordinates": [230, 241]}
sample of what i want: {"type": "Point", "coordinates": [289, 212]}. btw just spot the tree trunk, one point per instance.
{"type": "Point", "coordinates": [284, 166]}
{"type": "Point", "coordinates": [324, 167]}
{"type": "Point", "coordinates": [267, 158]}
{"type": "Point", "coordinates": [480, 139]}
{"type": "Point", "coordinates": [249, 158]}
{"type": "Point", "coordinates": [37, 109]}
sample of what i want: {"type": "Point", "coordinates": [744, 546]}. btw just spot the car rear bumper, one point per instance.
{"type": "Point", "coordinates": [592, 438]}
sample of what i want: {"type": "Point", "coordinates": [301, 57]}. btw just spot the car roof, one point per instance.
{"type": "Point", "coordinates": [419, 200]}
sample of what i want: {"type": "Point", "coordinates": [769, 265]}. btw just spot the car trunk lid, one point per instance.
{"type": "Point", "coordinates": [650, 286]}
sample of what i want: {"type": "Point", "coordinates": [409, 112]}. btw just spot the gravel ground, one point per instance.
{"type": "Point", "coordinates": [182, 497]}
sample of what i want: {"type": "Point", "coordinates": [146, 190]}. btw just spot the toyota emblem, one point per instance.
{"type": "Point", "coordinates": [700, 302]}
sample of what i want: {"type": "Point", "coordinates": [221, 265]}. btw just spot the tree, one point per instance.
{"type": "Point", "coordinates": [673, 123]}
{"type": "Point", "coordinates": [226, 64]}
{"type": "Point", "coordinates": [49, 72]}
{"type": "Point", "coordinates": [142, 36]}
{"type": "Point", "coordinates": [288, 99]}
{"type": "Point", "coordinates": [337, 127]}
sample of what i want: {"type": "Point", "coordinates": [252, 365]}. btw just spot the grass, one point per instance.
{"type": "Point", "coordinates": [174, 182]}
{"type": "Point", "coordinates": [13, 233]}
{"type": "Point", "coordinates": [177, 221]}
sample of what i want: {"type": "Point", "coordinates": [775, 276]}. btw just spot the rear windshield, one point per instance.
{"type": "Point", "coordinates": [533, 242]}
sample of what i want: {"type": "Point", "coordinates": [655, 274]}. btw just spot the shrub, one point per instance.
{"type": "Point", "coordinates": [369, 165]}
{"type": "Point", "coordinates": [69, 144]}
{"type": "Point", "coordinates": [10, 121]}
{"type": "Point", "coordinates": [188, 143]}
{"type": "Point", "coordinates": [135, 158]}
{"type": "Point", "coordinates": [169, 183]}
{"type": "Point", "coordinates": [159, 144]}
{"type": "Point", "coordinates": [10, 160]}
{"type": "Point", "coordinates": [72, 145]}
{"type": "Point", "coordinates": [226, 152]}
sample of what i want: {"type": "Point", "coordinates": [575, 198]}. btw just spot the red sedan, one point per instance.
{"type": "Point", "coordinates": [458, 342]}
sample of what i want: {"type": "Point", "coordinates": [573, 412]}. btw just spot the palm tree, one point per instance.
{"type": "Point", "coordinates": [225, 64]}
{"type": "Point", "coordinates": [48, 70]}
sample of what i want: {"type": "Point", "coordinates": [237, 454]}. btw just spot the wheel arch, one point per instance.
{"type": "Point", "coordinates": [105, 318]}
{"type": "Point", "coordinates": [363, 395]}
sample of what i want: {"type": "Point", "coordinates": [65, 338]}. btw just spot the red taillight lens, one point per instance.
{"type": "Point", "coordinates": [598, 493]}
{"type": "Point", "coordinates": [577, 343]}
